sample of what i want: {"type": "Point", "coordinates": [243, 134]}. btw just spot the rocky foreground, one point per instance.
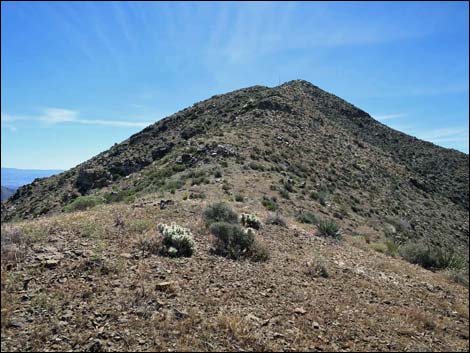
{"type": "Point", "coordinates": [83, 281]}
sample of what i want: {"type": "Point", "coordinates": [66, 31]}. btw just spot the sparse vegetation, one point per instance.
{"type": "Point", "coordinates": [256, 166]}
{"type": "Point", "coordinates": [234, 242]}
{"type": "Point", "coordinates": [329, 229]}
{"type": "Point", "coordinates": [118, 196]}
{"type": "Point", "coordinates": [199, 180]}
{"type": "Point", "coordinates": [270, 203]}
{"type": "Point", "coordinates": [14, 244]}
{"type": "Point", "coordinates": [231, 240]}
{"type": "Point", "coordinates": [219, 212]}
{"type": "Point", "coordinates": [321, 196]}
{"type": "Point", "coordinates": [460, 276]}
{"type": "Point", "coordinates": [284, 194]}
{"type": "Point", "coordinates": [83, 202]}
{"type": "Point", "coordinates": [139, 226]}
{"type": "Point", "coordinates": [307, 217]}
{"type": "Point", "coordinates": [276, 219]}
{"type": "Point", "coordinates": [429, 257]}
{"type": "Point", "coordinates": [317, 268]}
{"type": "Point", "coordinates": [148, 244]}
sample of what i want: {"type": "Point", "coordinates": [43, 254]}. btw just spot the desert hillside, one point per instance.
{"type": "Point", "coordinates": [357, 236]}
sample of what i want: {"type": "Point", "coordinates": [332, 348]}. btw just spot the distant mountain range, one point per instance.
{"type": "Point", "coordinates": [7, 192]}
{"type": "Point", "coordinates": [13, 178]}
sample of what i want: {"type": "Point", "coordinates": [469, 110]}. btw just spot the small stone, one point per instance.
{"type": "Point", "coordinates": [51, 263]}
{"type": "Point", "coordinates": [315, 325]}
{"type": "Point", "coordinates": [16, 324]}
{"type": "Point", "coordinates": [126, 255]}
{"type": "Point", "coordinates": [180, 314]}
{"type": "Point", "coordinates": [67, 315]}
{"type": "Point", "coordinates": [252, 317]}
{"type": "Point", "coordinates": [300, 311]}
{"type": "Point", "coordinates": [163, 286]}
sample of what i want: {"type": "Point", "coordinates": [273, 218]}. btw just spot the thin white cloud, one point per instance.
{"type": "Point", "coordinates": [56, 115]}
{"type": "Point", "coordinates": [12, 128]}
{"type": "Point", "coordinates": [389, 116]}
{"type": "Point", "coordinates": [52, 116]}
{"type": "Point", "coordinates": [445, 135]}
{"type": "Point", "coordinates": [114, 123]}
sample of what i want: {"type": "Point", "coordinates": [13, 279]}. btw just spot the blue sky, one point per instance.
{"type": "Point", "coordinates": [78, 77]}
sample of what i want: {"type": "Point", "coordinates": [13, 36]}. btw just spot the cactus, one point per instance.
{"type": "Point", "coordinates": [250, 220]}
{"type": "Point", "coordinates": [177, 241]}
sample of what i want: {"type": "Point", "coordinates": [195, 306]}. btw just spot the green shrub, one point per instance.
{"type": "Point", "coordinates": [320, 196]}
{"type": "Point", "coordinates": [174, 184]}
{"type": "Point", "coordinates": [117, 196]}
{"type": "Point", "coordinates": [139, 225]}
{"type": "Point", "coordinates": [431, 257]}
{"type": "Point", "coordinates": [219, 212]}
{"type": "Point", "coordinates": [284, 193]}
{"type": "Point", "coordinates": [307, 217]}
{"type": "Point", "coordinates": [197, 195]}
{"type": "Point", "coordinates": [259, 252]}
{"type": "Point", "coordinates": [200, 180]}
{"type": "Point", "coordinates": [179, 168]}
{"type": "Point", "coordinates": [195, 173]}
{"type": "Point", "coordinates": [177, 241]}
{"type": "Point", "coordinates": [392, 247]}
{"type": "Point", "coordinates": [329, 229]}
{"type": "Point", "coordinates": [256, 166]}
{"type": "Point", "coordinates": [230, 240]}
{"type": "Point", "coordinates": [270, 204]}
{"type": "Point", "coordinates": [130, 199]}
{"type": "Point", "coordinates": [459, 276]}
{"type": "Point", "coordinates": [83, 202]}
{"type": "Point", "coordinates": [223, 164]}
{"type": "Point", "coordinates": [217, 173]}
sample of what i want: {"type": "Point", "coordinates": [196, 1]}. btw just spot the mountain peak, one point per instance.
{"type": "Point", "coordinates": [309, 135]}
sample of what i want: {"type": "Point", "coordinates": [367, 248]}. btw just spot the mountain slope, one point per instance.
{"type": "Point", "coordinates": [302, 135]}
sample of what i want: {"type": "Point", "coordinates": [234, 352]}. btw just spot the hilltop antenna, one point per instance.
{"type": "Point", "coordinates": [279, 82]}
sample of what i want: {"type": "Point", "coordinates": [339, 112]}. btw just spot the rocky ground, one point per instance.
{"type": "Point", "coordinates": [80, 281]}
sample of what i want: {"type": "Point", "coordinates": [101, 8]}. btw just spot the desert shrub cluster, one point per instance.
{"type": "Point", "coordinates": [430, 257]}
{"type": "Point", "coordinates": [230, 239]}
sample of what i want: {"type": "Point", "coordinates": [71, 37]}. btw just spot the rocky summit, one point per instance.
{"type": "Point", "coordinates": [355, 236]}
